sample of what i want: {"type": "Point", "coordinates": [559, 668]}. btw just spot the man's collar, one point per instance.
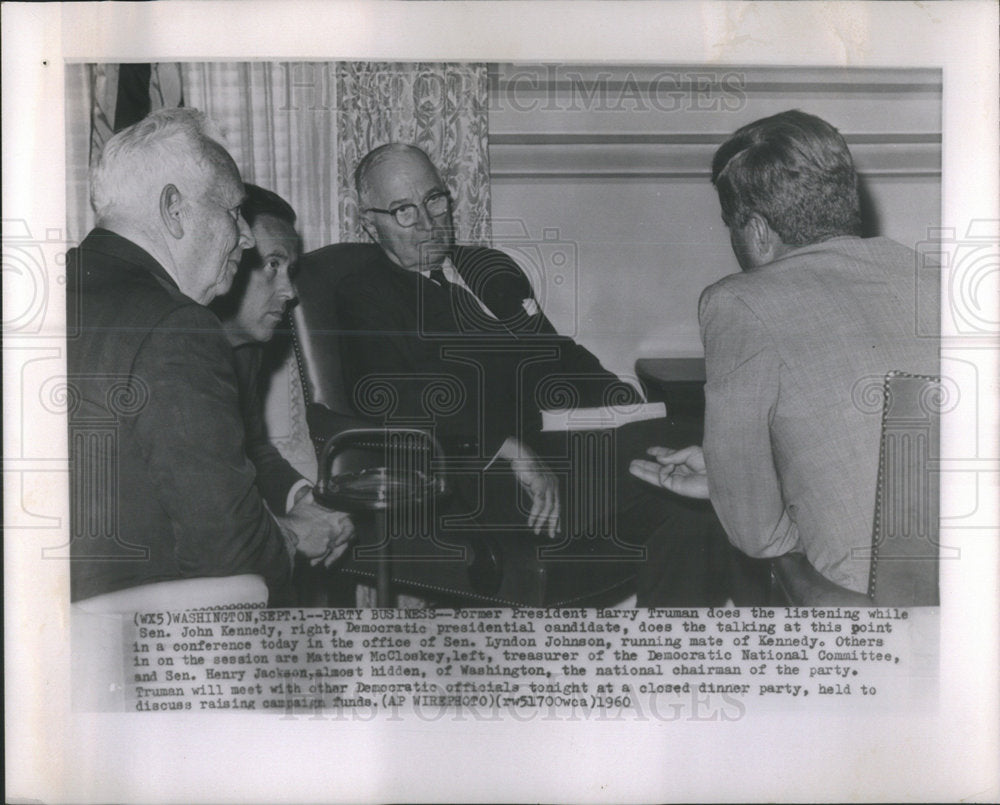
{"type": "Point", "coordinates": [837, 241]}
{"type": "Point", "coordinates": [109, 243]}
{"type": "Point", "coordinates": [448, 267]}
{"type": "Point", "coordinates": [448, 264]}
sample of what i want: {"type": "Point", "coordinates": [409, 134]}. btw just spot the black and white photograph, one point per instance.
{"type": "Point", "coordinates": [389, 412]}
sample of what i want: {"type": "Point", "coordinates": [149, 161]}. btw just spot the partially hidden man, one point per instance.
{"type": "Point", "coordinates": [250, 311]}
{"type": "Point", "coordinates": [161, 486]}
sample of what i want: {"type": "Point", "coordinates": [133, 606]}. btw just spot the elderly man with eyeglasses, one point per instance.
{"type": "Point", "coordinates": [457, 335]}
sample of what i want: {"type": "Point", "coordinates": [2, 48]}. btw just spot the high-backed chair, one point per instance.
{"type": "Point", "coordinates": [485, 567]}
{"type": "Point", "coordinates": [317, 336]}
{"type": "Point", "coordinates": [904, 547]}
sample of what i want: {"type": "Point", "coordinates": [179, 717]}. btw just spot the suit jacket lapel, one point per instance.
{"type": "Point", "coordinates": [494, 281]}
{"type": "Point", "coordinates": [427, 305]}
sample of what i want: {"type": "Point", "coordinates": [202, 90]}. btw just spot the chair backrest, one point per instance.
{"type": "Point", "coordinates": [904, 568]}
{"type": "Point", "coordinates": [316, 331]}
{"type": "Point", "coordinates": [904, 547]}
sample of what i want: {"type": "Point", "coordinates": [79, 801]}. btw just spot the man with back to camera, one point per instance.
{"type": "Point", "coordinates": [790, 460]}
{"type": "Point", "coordinates": [164, 491]}
{"type": "Point", "coordinates": [250, 311]}
{"type": "Point", "coordinates": [423, 307]}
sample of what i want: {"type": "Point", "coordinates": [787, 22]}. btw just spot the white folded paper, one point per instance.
{"type": "Point", "coordinates": [600, 418]}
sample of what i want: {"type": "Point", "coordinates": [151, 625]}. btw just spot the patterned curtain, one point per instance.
{"type": "Point", "coordinates": [442, 108]}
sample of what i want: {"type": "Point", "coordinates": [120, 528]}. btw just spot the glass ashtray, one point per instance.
{"type": "Point", "coordinates": [377, 488]}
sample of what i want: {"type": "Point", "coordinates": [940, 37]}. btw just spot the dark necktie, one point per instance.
{"type": "Point", "coordinates": [465, 297]}
{"type": "Point", "coordinates": [438, 278]}
{"type": "Point", "coordinates": [465, 306]}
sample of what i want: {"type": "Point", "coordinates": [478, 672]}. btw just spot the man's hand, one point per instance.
{"type": "Point", "coordinates": [679, 471]}
{"type": "Point", "coordinates": [321, 535]}
{"type": "Point", "coordinates": [539, 481]}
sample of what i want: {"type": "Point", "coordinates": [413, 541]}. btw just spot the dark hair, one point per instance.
{"type": "Point", "coordinates": [260, 201]}
{"type": "Point", "coordinates": [795, 171]}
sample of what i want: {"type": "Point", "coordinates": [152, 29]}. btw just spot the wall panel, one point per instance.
{"type": "Point", "coordinates": [605, 169]}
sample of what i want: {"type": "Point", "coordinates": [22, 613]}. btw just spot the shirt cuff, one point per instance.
{"type": "Point", "coordinates": [294, 494]}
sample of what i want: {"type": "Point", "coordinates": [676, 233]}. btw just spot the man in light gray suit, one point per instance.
{"type": "Point", "coordinates": [817, 315]}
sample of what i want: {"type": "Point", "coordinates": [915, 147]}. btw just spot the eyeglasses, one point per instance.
{"type": "Point", "coordinates": [408, 214]}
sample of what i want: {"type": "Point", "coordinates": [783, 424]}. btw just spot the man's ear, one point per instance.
{"type": "Point", "coordinates": [170, 210]}
{"type": "Point", "coordinates": [764, 241]}
{"type": "Point", "coordinates": [368, 225]}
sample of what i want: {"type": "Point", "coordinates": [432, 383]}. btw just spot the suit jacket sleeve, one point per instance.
{"type": "Point", "coordinates": [743, 380]}
{"type": "Point", "coordinates": [505, 289]}
{"type": "Point", "coordinates": [192, 438]}
{"type": "Point", "coordinates": [379, 340]}
{"type": "Point", "coordinates": [275, 476]}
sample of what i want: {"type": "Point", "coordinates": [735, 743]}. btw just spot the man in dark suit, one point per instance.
{"type": "Point", "coordinates": [161, 488]}
{"type": "Point", "coordinates": [250, 311]}
{"type": "Point", "coordinates": [455, 338]}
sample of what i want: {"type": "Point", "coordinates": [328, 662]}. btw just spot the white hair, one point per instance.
{"type": "Point", "coordinates": [178, 146]}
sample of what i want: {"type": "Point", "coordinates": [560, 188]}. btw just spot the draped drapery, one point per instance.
{"type": "Point", "coordinates": [299, 129]}
{"type": "Point", "coordinates": [277, 121]}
